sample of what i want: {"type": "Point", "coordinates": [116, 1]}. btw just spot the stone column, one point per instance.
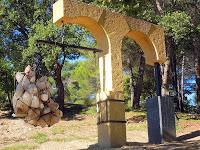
{"type": "Point", "coordinates": [110, 101]}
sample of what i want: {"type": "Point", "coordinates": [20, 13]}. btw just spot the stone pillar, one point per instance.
{"type": "Point", "coordinates": [111, 123]}
{"type": "Point", "coordinates": [110, 104]}
{"type": "Point", "coordinates": [110, 101]}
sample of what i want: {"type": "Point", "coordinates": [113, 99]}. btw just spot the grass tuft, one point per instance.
{"type": "Point", "coordinates": [59, 139]}
{"type": "Point", "coordinates": [40, 138]}
{"type": "Point", "coordinates": [20, 147]}
{"type": "Point", "coordinates": [58, 130]}
{"type": "Point", "coordinates": [137, 126]}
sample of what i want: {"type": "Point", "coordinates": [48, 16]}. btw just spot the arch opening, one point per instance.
{"type": "Point", "coordinates": [135, 91]}
{"type": "Point", "coordinates": [102, 43]}
{"type": "Point", "coordinates": [146, 45]}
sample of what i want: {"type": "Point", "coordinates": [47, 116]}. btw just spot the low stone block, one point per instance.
{"type": "Point", "coordinates": [161, 119]}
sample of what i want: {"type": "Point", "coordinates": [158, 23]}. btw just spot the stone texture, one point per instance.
{"type": "Point", "coordinates": [112, 134]}
{"type": "Point", "coordinates": [111, 110]}
{"type": "Point", "coordinates": [138, 25]}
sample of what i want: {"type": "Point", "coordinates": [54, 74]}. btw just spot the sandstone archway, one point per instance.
{"type": "Point", "coordinates": [109, 29]}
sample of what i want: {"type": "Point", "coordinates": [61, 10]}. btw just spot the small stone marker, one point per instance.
{"type": "Point", "coordinates": [161, 119]}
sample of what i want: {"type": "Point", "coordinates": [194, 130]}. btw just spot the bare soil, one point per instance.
{"type": "Point", "coordinates": [80, 132]}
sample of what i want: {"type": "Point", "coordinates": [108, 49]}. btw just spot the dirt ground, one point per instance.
{"type": "Point", "coordinates": [80, 132]}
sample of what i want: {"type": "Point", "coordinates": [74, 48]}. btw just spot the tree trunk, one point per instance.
{"type": "Point", "coordinates": [10, 103]}
{"type": "Point", "coordinates": [131, 82]}
{"type": "Point", "coordinates": [59, 86]}
{"type": "Point", "coordinates": [166, 70]}
{"type": "Point", "coordinates": [175, 82]}
{"type": "Point", "coordinates": [182, 85]}
{"type": "Point", "coordinates": [196, 45]}
{"type": "Point", "coordinates": [139, 83]}
{"type": "Point", "coordinates": [8, 95]}
{"type": "Point", "coordinates": [197, 69]}
{"type": "Point", "coordinates": [158, 8]}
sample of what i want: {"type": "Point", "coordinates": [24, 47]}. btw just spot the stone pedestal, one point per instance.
{"type": "Point", "coordinates": [161, 119]}
{"type": "Point", "coordinates": [111, 123]}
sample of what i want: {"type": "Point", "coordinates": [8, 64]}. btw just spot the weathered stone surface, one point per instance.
{"type": "Point", "coordinates": [111, 110]}
{"type": "Point", "coordinates": [112, 134]}
{"type": "Point", "coordinates": [138, 25]}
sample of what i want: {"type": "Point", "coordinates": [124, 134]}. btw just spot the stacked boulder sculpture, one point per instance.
{"type": "Point", "coordinates": [32, 99]}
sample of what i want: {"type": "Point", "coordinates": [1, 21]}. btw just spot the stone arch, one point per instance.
{"type": "Point", "coordinates": [109, 29]}
{"type": "Point", "coordinates": [91, 25]}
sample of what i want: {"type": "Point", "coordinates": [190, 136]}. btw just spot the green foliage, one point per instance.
{"type": "Point", "coordinates": [6, 83]}
{"type": "Point", "coordinates": [17, 18]}
{"type": "Point", "coordinates": [84, 82]}
{"type": "Point", "coordinates": [177, 24]}
{"type": "Point", "coordinates": [91, 110]}
{"type": "Point", "coordinates": [42, 31]}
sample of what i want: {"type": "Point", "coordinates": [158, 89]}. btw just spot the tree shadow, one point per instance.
{"type": "Point", "coordinates": [191, 145]}
{"type": "Point", "coordinates": [6, 115]}
{"type": "Point", "coordinates": [71, 111]}
{"type": "Point", "coordinates": [189, 135]}
{"type": "Point", "coordinates": [179, 144]}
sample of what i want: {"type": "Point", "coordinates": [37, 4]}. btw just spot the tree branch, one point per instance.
{"type": "Point", "coordinates": [157, 7]}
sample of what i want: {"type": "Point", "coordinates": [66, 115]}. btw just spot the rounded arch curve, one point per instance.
{"type": "Point", "coordinates": [103, 43]}
{"type": "Point", "coordinates": [97, 30]}
{"type": "Point", "coordinates": [146, 45]}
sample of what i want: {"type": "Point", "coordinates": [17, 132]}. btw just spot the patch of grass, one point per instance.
{"type": "Point", "coordinates": [59, 139]}
{"type": "Point", "coordinates": [40, 138]}
{"type": "Point", "coordinates": [20, 147]}
{"type": "Point", "coordinates": [183, 123]}
{"type": "Point", "coordinates": [135, 113]}
{"type": "Point", "coordinates": [69, 138]}
{"type": "Point", "coordinates": [187, 116]}
{"type": "Point", "coordinates": [73, 137]}
{"type": "Point", "coordinates": [137, 127]}
{"type": "Point", "coordinates": [193, 120]}
{"type": "Point", "coordinates": [179, 128]}
{"type": "Point", "coordinates": [58, 130]}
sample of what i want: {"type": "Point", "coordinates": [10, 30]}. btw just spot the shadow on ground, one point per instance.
{"type": "Point", "coordinates": [189, 135]}
{"type": "Point", "coordinates": [6, 115]}
{"type": "Point", "coordinates": [179, 144]}
{"type": "Point", "coordinates": [190, 145]}
{"type": "Point", "coordinates": [71, 111]}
